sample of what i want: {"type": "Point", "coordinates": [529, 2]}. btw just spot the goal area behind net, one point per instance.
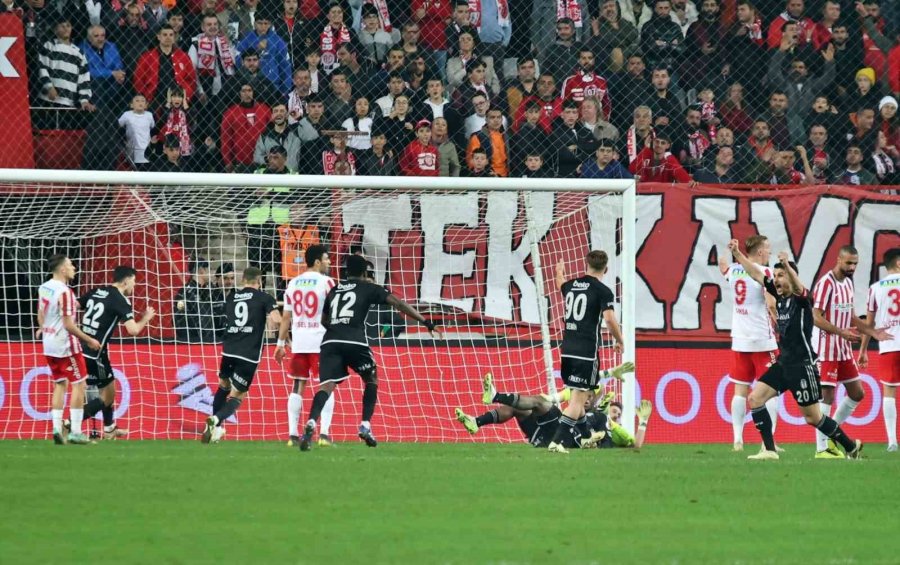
{"type": "Point", "coordinates": [477, 256]}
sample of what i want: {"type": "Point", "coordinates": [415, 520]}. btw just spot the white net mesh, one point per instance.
{"type": "Point", "coordinates": [462, 258]}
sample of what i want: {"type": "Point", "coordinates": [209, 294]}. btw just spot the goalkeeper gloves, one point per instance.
{"type": "Point", "coordinates": [605, 401]}
{"type": "Point", "coordinates": [619, 372]}
{"type": "Point", "coordinates": [643, 413]}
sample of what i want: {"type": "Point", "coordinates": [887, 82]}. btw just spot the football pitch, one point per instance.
{"type": "Point", "coordinates": [258, 502]}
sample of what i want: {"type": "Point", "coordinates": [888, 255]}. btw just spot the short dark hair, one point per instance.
{"type": "Point", "coordinates": [892, 258]}
{"type": "Point", "coordinates": [585, 49]}
{"type": "Point", "coordinates": [123, 272]}
{"type": "Point", "coordinates": [197, 265]}
{"type": "Point", "coordinates": [606, 143]}
{"type": "Point", "coordinates": [56, 261]}
{"type": "Point", "coordinates": [479, 151]}
{"type": "Point", "coordinates": [787, 23]}
{"type": "Point", "coordinates": [355, 266]}
{"type": "Point", "coordinates": [523, 60]}
{"type": "Point", "coordinates": [250, 52]}
{"type": "Point", "coordinates": [780, 265]}
{"type": "Point", "coordinates": [597, 260]}
{"type": "Point", "coordinates": [252, 274]}
{"type": "Point", "coordinates": [569, 103]}
{"type": "Point", "coordinates": [314, 253]}
{"type": "Point", "coordinates": [848, 249]}
{"type": "Point", "coordinates": [278, 150]}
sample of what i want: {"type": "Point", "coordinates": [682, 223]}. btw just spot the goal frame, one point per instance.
{"type": "Point", "coordinates": [626, 187]}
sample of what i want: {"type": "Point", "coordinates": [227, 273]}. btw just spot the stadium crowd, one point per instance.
{"type": "Point", "coordinates": [730, 91]}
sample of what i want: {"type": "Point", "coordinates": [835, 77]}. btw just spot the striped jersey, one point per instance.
{"type": "Point", "coordinates": [56, 300]}
{"type": "Point", "coordinates": [835, 299]}
{"type": "Point", "coordinates": [64, 67]}
{"type": "Point", "coordinates": [884, 300]}
{"type": "Point", "coordinates": [751, 327]}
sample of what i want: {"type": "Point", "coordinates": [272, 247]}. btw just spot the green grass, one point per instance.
{"type": "Point", "coordinates": [247, 502]}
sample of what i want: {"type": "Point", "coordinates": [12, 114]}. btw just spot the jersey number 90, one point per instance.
{"type": "Point", "coordinates": [576, 306]}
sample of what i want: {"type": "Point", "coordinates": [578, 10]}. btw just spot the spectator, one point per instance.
{"type": "Point", "coordinates": [831, 13]}
{"type": "Point", "coordinates": [415, 75]}
{"type": "Point", "coordinates": [313, 64]}
{"type": "Point", "coordinates": [336, 159]}
{"type": "Point", "coordinates": [604, 165]}
{"type": "Point", "coordinates": [310, 126]}
{"type": "Point", "coordinates": [138, 123]}
{"type": "Point", "coordinates": [793, 13]}
{"type": "Point", "coordinates": [491, 19]}
{"type": "Point", "coordinates": [398, 125]}
{"type": "Point", "coordinates": [250, 73]}
{"type": "Point", "coordinates": [377, 161]}
{"type": "Point", "coordinates": [271, 209]}
{"type": "Point", "coordinates": [692, 140]}
{"type": "Point", "coordinates": [745, 46]}
{"type": "Point", "coordinates": [246, 16]}
{"type": "Point", "coordinates": [478, 80]}
{"type": "Point", "coordinates": [460, 19]}
{"type": "Point", "coordinates": [492, 138]}
{"type": "Point", "coordinates": [374, 40]}
{"type": "Point", "coordinates": [459, 67]}
{"type": "Point", "coordinates": [885, 161]}
{"type": "Point", "coordinates": [175, 20]}
{"type": "Point", "coordinates": [662, 41]}
{"type": "Point", "coordinates": [524, 86]}
{"type": "Point", "coordinates": [866, 94]}
{"type": "Point", "coordinates": [279, 133]}
{"type": "Point", "coordinates": [709, 114]}
{"type": "Point", "coordinates": [242, 125]}
{"type": "Point", "coordinates": [155, 15]}
{"type": "Point", "coordinates": [162, 68]}
{"type": "Point", "coordinates": [561, 58]}
{"type": "Point", "coordinates": [432, 17]}
{"type": "Point", "coordinates": [420, 158]}
{"type": "Point", "coordinates": [888, 120]}
{"type": "Point", "coordinates": [395, 87]}
{"type": "Point", "coordinates": [529, 138]}
{"type": "Point", "coordinates": [361, 123]}
{"type": "Point", "coordinates": [871, 21]}
{"type": "Point", "coordinates": [545, 13]}
{"type": "Point", "coordinates": [296, 32]}
{"type": "Point", "coordinates": [448, 155]}
{"type": "Point", "coordinates": [299, 95]}
{"type": "Point", "coordinates": [666, 104]}
{"type": "Point", "coordinates": [358, 71]}
{"type": "Point", "coordinates": [478, 165]}
{"type": "Point", "coordinates": [630, 89]}
{"type": "Point", "coordinates": [784, 172]}
{"type": "Point", "coordinates": [640, 134]}
{"type": "Point", "coordinates": [824, 113]}
{"type": "Point", "coordinates": [230, 20]}
{"type": "Point", "coordinates": [171, 160]}
{"type": "Point", "coordinates": [764, 151]}
{"type": "Point", "coordinates": [478, 118]}
{"type": "Point", "coordinates": [864, 134]}
{"type": "Point", "coordinates": [215, 60]}
{"type": "Point", "coordinates": [586, 83]}
{"type": "Point", "coordinates": [635, 12]}
{"type": "Point", "coordinates": [63, 73]}
{"type": "Point", "coordinates": [174, 120]}
{"type": "Point", "coordinates": [333, 36]}
{"type": "Point", "coordinates": [590, 118]}
{"type": "Point", "coordinates": [743, 155]}
{"type": "Point", "coordinates": [703, 45]}
{"type": "Point", "coordinates": [193, 315]}
{"type": "Point", "coordinates": [437, 106]}
{"type": "Point", "coordinates": [339, 100]}
{"type": "Point", "coordinates": [848, 56]}
{"type": "Point", "coordinates": [820, 156]}
{"type": "Point", "coordinates": [222, 288]}
{"type": "Point", "coordinates": [132, 36]}
{"type": "Point", "coordinates": [274, 61]}
{"type": "Point", "coordinates": [613, 39]}
{"type": "Point", "coordinates": [684, 14]}
{"type": "Point", "coordinates": [799, 87]}
{"type": "Point", "coordinates": [786, 127]}
{"type": "Point", "coordinates": [571, 143]}
{"type": "Point", "coordinates": [724, 169]}
{"type": "Point", "coordinates": [656, 164]}
{"type": "Point", "coordinates": [105, 68]}
{"type": "Point", "coordinates": [550, 103]}
{"type": "Point", "coordinates": [853, 172]}
{"type": "Point", "coordinates": [534, 166]}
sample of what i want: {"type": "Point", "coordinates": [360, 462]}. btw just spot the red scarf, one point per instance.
{"type": "Point", "coordinates": [697, 144]}
{"type": "Point", "coordinates": [631, 142]}
{"type": "Point", "coordinates": [384, 18]}
{"type": "Point", "coordinates": [330, 159]}
{"type": "Point", "coordinates": [755, 31]}
{"type": "Point", "coordinates": [475, 13]}
{"type": "Point", "coordinates": [176, 124]}
{"type": "Point", "coordinates": [761, 151]}
{"type": "Point", "coordinates": [329, 42]}
{"type": "Point", "coordinates": [569, 9]}
{"type": "Point", "coordinates": [208, 49]}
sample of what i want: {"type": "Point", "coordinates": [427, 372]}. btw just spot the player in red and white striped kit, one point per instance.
{"type": "Point", "coordinates": [304, 299]}
{"type": "Point", "coordinates": [884, 312]}
{"type": "Point", "coordinates": [60, 334]}
{"type": "Point", "coordinates": [586, 83]}
{"type": "Point", "coordinates": [836, 326]}
{"type": "Point", "coordinates": [753, 343]}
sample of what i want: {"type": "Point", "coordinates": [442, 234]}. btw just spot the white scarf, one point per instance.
{"type": "Point", "coordinates": [384, 18]}
{"type": "Point", "coordinates": [296, 107]}
{"type": "Point", "coordinates": [884, 165]}
{"type": "Point", "coordinates": [329, 46]}
{"type": "Point", "coordinates": [569, 9]}
{"type": "Point", "coordinates": [206, 55]}
{"type": "Point", "coordinates": [631, 143]}
{"type": "Point", "coordinates": [475, 13]}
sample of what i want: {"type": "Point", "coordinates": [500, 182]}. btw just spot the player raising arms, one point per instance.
{"type": "Point", "coordinates": [587, 302]}
{"type": "Point", "coordinates": [58, 331]}
{"type": "Point", "coordinates": [304, 299]}
{"type": "Point", "coordinates": [344, 344]}
{"type": "Point", "coordinates": [753, 343]}
{"type": "Point", "coordinates": [248, 310]}
{"type": "Point", "coordinates": [884, 312]}
{"type": "Point", "coordinates": [104, 308]}
{"type": "Point", "coordinates": [795, 368]}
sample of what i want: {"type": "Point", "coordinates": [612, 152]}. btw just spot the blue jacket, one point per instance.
{"type": "Point", "coordinates": [613, 170]}
{"type": "Point", "coordinates": [274, 61]}
{"type": "Point", "coordinates": [102, 66]}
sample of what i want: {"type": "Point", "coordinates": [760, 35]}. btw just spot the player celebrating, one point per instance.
{"type": "Point", "coordinates": [58, 331]}
{"type": "Point", "coordinates": [832, 337]}
{"type": "Point", "coordinates": [753, 342]}
{"type": "Point", "coordinates": [587, 302]}
{"type": "Point", "coordinates": [303, 302]}
{"type": "Point", "coordinates": [884, 312]}
{"type": "Point", "coordinates": [795, 368]}
{"type": "Point", "coordinates": [248, 311]}
{"type": "Point", "coordinates": [344, 344]}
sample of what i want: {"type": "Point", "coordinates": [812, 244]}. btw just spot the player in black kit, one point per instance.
{"type": "Point", "coordinates": [795, 369]}
{"type": "Point", "coordinates": [104, 308]}
{"type": "Point", "coordinates": [248, 310]}
{"type": "Point", "coordinates": [344, 344]}
{"type": "Point", "coordinates": [588, 302]}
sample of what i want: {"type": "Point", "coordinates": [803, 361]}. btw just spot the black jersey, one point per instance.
{"type": "Point", "coordinates": [247, 311]}
{"type": "Point", "coordinates": [104, 308]}
{"type": "Point", "coordinates": [795, 325]}
{"type": "Point", "coordinates": [585, 299]}
{"type": "Point", "coordinates": [346, 308]}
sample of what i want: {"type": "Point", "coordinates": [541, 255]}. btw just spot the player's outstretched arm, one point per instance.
{"type": "Point", "coordinates": [619, 371]}
{"type": "Point", "coordinates": [724, 264]}
{"type": "Point", "coordinates": [749, 267]}
{"type": "Point", "coordinates": [868, 330]}
{"type": "Point", "coordinates": [792, 275]}
{"type": "Point", "coordinates": [135, 328]}
{"type": "Point", "coordinates": [283, 334]}
{"type": "Point", "coordinates": [411, 312]}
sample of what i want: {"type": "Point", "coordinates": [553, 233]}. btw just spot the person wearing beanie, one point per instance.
{"type": "Point", "coordinates": [866, 94]}
{"type": "Point", "coordinates": [888, 121]}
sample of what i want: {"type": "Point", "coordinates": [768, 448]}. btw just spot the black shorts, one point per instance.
{"type": "Point", "coordinates": [545, 427]}
{"type": "Point", "coordinates": [579, 374]}
{"type": "Point", "coordinates": [238, 371]}
{"type": "Point", "coordinates": [99, 370]}
{"type": "Point", "coordinates": [801, 380]}
{"type": "Point", "coordinates": [336, 358]}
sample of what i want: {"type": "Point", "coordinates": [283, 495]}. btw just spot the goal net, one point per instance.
{"type": "Point", "coordinates": [477, 256]}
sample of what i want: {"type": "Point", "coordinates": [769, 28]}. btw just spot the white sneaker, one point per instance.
{"type": "Point", "coordinates": [892, 448]}
{"type": "Point", "coordinates": [738, 446]}
{"type": "Point", "coordinates": [218, 434]}
{"type": "Point", "coordinates": [765, 455]}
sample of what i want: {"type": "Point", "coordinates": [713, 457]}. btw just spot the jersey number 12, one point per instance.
{"type": "Point", "coordinates": [342, 306]}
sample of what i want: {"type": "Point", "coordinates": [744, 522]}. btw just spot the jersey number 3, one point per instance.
{"type": "Point", "coordinates": [342, 306]}
{"type": "Point", "coordinates": [894, 308]}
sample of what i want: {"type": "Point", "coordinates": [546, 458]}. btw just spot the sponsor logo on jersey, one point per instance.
{"type": "Point", "coordinates": [100, 293]}
{"type": "Point", "coordinates": [580, 285]}
{"type": "Point", "coordinates": [346, 286]}
{"type": "Point", "coordinates": [243, 295]}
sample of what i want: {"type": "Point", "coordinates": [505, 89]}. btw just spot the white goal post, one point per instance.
{"type": "Point", "coordinates": [531, 196]}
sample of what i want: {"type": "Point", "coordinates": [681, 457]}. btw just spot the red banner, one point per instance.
{"type": "Point", "coordinates": [16, 150]}
{"type": "Point", "coordinates": [165, 392]}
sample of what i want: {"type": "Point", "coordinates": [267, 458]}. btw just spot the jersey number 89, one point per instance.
{"type": "Point", "coordinates": [305, 304]}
